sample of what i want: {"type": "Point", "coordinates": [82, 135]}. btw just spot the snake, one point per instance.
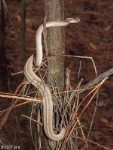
{"type": "Point", "coordinates": [37, 82]}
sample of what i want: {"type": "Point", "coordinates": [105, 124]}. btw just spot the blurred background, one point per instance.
{"type": "Point", "coordinates": [91, 37]}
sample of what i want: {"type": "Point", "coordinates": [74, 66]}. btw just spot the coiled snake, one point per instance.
{"type": "Point", "coordinates": [37, 82]}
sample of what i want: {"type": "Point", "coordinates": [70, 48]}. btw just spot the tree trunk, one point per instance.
{"type": "Point", "coordinates": [23, 30]}
{"type": "Point", "coordinates": [54, 43]}
{"type": "Point", "coordinates": [3, 70]}
{"type": "Point", "coordinates": [54, 11]}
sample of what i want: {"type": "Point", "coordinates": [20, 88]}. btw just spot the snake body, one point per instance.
{"type": "Point", "coordinates": [43, 88]}
{"type": "Point", "coordinates": [39, 52]}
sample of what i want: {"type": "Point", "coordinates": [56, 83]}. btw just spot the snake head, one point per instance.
{"type": "Point", "coordinates": [73, 20]}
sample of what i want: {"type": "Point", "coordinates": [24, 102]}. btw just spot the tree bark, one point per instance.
{"type": "Point", "coordinates": [54, 11]}
{"type": "Point", "coordinates": [23, 30]}
{"type": "Point", "coordinates": [54, 43]}
{"type": "Point", "coordinates": [55, 37]}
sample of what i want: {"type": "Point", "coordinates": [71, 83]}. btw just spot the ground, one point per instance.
{"type": "Point", "coordinates": [91, 37]}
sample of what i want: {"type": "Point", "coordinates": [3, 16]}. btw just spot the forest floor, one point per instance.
{"type": "Point", "coordinates": [91, 37]}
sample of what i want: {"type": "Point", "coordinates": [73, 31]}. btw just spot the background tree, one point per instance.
{"type": "Point", "coordinates": [3, 68]}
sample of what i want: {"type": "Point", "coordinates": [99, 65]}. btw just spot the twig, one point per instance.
{"type": "Point", "coordinates": [97, 79]}
{"type": "Point", "coordinates": [5, 6]}
{"type": "Point", "coordinates": [32, 119]}
{"type": "Point", "coordinates": [75, 118]}
{"type": "Point", "coordinates": [16, 73]}
{"type": "Point", "coordinates": [20, 97]}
